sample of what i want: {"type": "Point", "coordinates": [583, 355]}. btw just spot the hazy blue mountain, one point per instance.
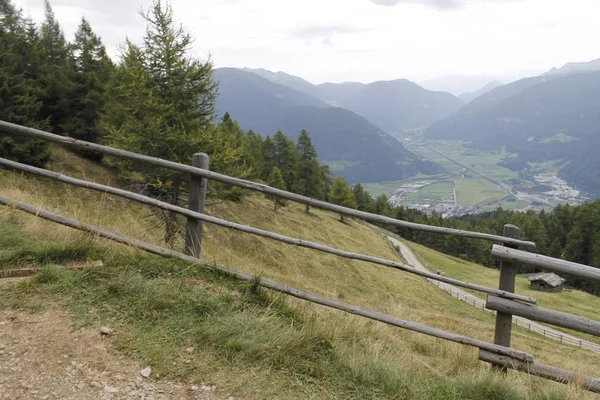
{"type": "Point", "coordinates": [353, 146]}
{"type": "Point", "coordinates": [572, 67]}
{"type": "Point", "coordinates": [394, 105]}
{"type": "Point", "coordinates": [286, 79]}
{"type": "Point", "coordinates": [457, 84]}
{"type": "Point", "coordinates": [498, 95]}
{"type": "Point", "coordinates": [544, 118]}
{"type": "Point", "coordinates": [470, 96]}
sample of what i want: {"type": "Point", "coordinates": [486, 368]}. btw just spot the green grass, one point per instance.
{"type": "Point", "coordinates": [570, 301]}
{"type": "Point", "coordinates": [376, 189]}
{"type": "Point", "coordinates": [258, 344]}
{"type": "Point", "coordinates": [160, 307]}
{"type": "Point", "coordinates": [560, 137]}
{"type": "Point", "coordinates": [478, 191]}
{"type": "Point", "coordinates": [439, 191]}
{"type": "Point", "coordinates": [513, 205]}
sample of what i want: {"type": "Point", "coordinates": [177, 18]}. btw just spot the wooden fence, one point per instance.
{"type": "Point", "coordinates": [503, 299]}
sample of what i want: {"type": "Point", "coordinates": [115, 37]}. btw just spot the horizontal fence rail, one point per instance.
{"type": "Point", "coordinates": [540, 314]}
{"type": "Point", "coordinates": [545, 371]}
{"type": "Point", "coordinates": [544, 262]}
{"type": "Point", "coordinates": [522, 322]}
{"type": "Point", "coordinates": [255, 231]}
{"type": "Point", "coordinates": [272, 285]}
{"type": "Point", "coordinates": [36, 133]}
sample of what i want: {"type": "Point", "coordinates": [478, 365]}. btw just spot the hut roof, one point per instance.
{"type": "Point", "coordinates": [547, 277]}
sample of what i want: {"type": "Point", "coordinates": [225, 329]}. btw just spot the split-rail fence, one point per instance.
{"type": "Point", "coordinates": [503, 300]}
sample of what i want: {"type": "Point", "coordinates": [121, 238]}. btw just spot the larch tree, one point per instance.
{"type": "Point", "coordinates": [268, 157]}
{"type": "Point", "coordinates": [286, 158]}
{"type": "Point", "coordinates": [364, 201]}
{"type": "Point", "coordinates": [341, 194]}
{"type": "Point", "coordinates": [308, 178]}
{"type": "Point", "coordinates": [162, 104]}
{"type": "Point", "coordinates": [254, 150]}
{"type": "Point", "coordinates": [276, 180]}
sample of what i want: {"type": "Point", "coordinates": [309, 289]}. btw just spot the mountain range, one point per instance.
{"type": "Point", "coordinates": [552, 116]}
{"type": "Point", "coordinates": [571, 67]}
{"type": "Point", "coordinates": [348, 140]}
{"type": "Point", "coordinates": [549, 117]}
{"type": "Point", "coordinates": [393, 106]}
{"type": "Point", "coordinates": [470, 96]}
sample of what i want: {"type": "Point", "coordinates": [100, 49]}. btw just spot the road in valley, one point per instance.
{"type": "Point", "coordinates": [518, 194]}
{"type": "Point", "coordinates": [478, 302]}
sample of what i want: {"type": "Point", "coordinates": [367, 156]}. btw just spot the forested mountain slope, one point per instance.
{"type": "Point", "coordinates": [554, 117]}
{"type": "Point", "coordinates": [356, 149]}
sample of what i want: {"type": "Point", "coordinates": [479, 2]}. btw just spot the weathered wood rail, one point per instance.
{"type": "Point", "coordinates": [499, 353]}
{"type": "Point", "coordinates": [545, 315]}
{"type": "Point", "coordinates": [196, 216]}
{"type": "Point", "coordinates": [507, 254]}
{"type": "Point", "coordinates": [204, 173]}
{"type": "Point", "coordinates": [267, 283]}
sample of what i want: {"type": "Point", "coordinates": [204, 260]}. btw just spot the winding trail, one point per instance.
{"type": "Point", "coordinates": [478, 302]}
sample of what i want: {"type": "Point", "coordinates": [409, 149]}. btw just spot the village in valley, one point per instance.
{"type": "Point", "coordinates": [476, 181]}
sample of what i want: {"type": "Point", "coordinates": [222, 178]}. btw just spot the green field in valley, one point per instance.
{"type": "Point", "coordinates": [472, 189]}
{"type": "Point", "coordinates": [439, 191]}
{"type": "Point", "coordinates": [478, 191]}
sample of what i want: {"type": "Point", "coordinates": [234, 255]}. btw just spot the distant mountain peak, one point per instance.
{"type": "Point", "coordinates": [573, 67]}
{"type": "Point", "coordinates": [393, 105]}
{"type": "Point", "coordinates": [470, 96]}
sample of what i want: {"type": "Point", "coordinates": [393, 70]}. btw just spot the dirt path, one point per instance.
{"type": "Point", "coordinates": [478, 302]}
{"type": "Point", "coordinates": [41, 357]}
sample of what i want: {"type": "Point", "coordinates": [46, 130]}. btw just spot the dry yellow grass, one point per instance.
{"type": "Point", "coordinates": [383, 289]}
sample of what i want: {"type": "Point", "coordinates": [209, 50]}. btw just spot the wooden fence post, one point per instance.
{"type": "Point", "coordinates": [197, 198]}
{"type": "Point", "coordinates": [508, 274]}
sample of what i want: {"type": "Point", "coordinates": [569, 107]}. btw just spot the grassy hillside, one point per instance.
{"type": "Point", "coordinates": [569, 300]}
{"type": "Point", "coordinates": [253, 343]}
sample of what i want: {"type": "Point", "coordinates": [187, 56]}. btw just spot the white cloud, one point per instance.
{"type": "Point", "coordinates": [355, 40]}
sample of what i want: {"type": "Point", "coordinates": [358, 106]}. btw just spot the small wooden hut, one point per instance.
{"type": "Point", "coordinates": [546, 281]}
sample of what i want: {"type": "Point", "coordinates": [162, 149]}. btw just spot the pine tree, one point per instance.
{"type": "Point", "coordinates": [382, 205]}
{"type": "Point", "coordinates": [286, 158]}
{"type": "Point", "coordinates": [268, 157]}
{"type": "Point", "coordinates": [56, 77]}
{"type": "Point", "coordinates": [326, 180]}
{"type": "Point", "coordinates": [162, 103]}
{"type": "Point", "coordinates": [254, 151]}
{"type": "Point", "coordinates": [555, 249]}
{"type": "Point", "coordinates": [20, 88]}
{"type": "Point", "coordinates": [364, 201]}
{"type": "Point", "coordinates": [276, 180]}
{"type": "Point", "coordinates": [308, 179]}
{"type": "Point", "coordinates": [341, 194]}
{"type": "Point", "coordinates": [90, 72]}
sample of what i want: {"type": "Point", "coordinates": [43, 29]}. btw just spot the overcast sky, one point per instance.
{"type": "Point", "coordinates": [362, 40]}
